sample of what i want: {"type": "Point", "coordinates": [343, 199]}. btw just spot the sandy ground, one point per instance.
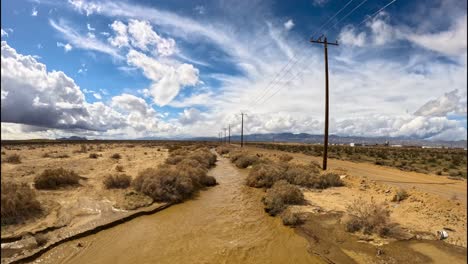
{"type": "Point", "coordinates": [434, 202]}
{"type": "Point", "coordinates": [70, 209]}
{"type": "Point", "coordinates": [439, 185]}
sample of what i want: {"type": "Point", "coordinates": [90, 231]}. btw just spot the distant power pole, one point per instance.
{"type": "Point", "coordinates": [229, 133]}
{"type": "Point", "coordinates": [225, 138]}
{"type": "Point", "coordinates": [242, 129]}
{"type": "Point", "coordinates": [325, 141]}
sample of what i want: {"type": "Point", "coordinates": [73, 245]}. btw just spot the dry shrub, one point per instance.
{"type": "Point", "coordinates": [175, 183]}
{"type": "Point", "coordinates": [280, 195]}
{"type": "Point", "coordinates": [93, 156]}
{"type": "Point", "coordinates": [3, 153]}
{"type": "Point", "coordinates": [246, 160]}
{"type": "Point", "coordinates": [401, 195]}
{"type": "Point", "coordinates": [264, 174]}
{"type": "Point", "coordinates": [119, 168]}
{"type": "Point", "coordinates": [285, 157]}
{"type": "Point", "coordinates": [290, 218]}
{"type": "Point", "coordinates": [202, 155]}
{"type": "Point", "coordinates": [369, 217]}
{"type": "Point", "coordinates": [196, 171]}
{"type": "Point", "coordinates": [222, 150]}
{"type": "Point", "coordinates": [18, 203]}
{"type": "Point", "coordinates": [56, 178]}
{"type": "Point", "coordinates": [174, 159]}
{"type": "Point", "coordinates": [303, 175]}
{"type": "Point", "coordinates": [164, 184]}
{"type": "Point", "coordinates": [116, 156]}
{"type": "Point", "coordinates": [117, 181]}
{"type": "Point", "coordinates": [12, 158]}
{"type": "Point", "coordinates": [329, 179]}
{"type": "Point", "coordinates": [62, 156]}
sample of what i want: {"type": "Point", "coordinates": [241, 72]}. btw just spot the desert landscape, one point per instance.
{"type": "Point", "coordinates": [368, 218]}
{"type": "Point", "coordinates": [234, 132]}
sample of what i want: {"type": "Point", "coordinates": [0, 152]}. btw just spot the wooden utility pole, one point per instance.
{"type": "Point", "coordinates": [242, 129]}
{"type": "Point", "coordinates": [229, 133]}
{"type": "Point", "coordinates": [325, 140]}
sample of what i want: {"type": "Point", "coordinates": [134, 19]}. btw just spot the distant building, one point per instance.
{"type": "Point", "coordinates": [351, 144]}
{"type": "Point", "coordinates": [396, 146]}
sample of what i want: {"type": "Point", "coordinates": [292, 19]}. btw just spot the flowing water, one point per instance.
{"type": "Point", "coordinates": [223, 224]}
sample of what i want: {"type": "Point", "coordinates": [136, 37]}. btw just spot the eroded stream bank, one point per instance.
{"type": "Point", "coordinates": [223, 224]}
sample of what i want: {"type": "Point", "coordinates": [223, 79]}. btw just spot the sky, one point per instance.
{"type": "Point", "coordinates": [177, 69]}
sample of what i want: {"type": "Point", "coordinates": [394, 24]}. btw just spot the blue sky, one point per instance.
{"type": "Point", "coordinates": [130, 69]}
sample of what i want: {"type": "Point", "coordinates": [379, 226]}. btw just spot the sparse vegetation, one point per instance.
{"type": "Point", "coordinates": [280, 195]}
{"type": "Point", "coordinates": [19, 203]}
{"type": "Point", "coordinates": [93, 156]}
{"type": "Point", "coordinates": [117, 181]}
{"type": "Point", "coordinates": [266, 173]}
{"type": "Point", "coordinates": [285, 157]}
{"type": "Point", "coordinates": [116, 156]}
{"type": "Point", "coordinates": [55, 178]}
{"type": "Point", "coordinates": [437, 161]}
{"type": "Point", "coordinates": [369, 217]}
{"type": "Point", "coordinates": [12, 158]}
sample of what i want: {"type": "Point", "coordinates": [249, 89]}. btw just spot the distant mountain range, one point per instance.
{"type": "Point", "coordinates": [334, 139]}
{"type": "Point", "coordinates": [309, 138]}
{"type": "Point", "coordinates": [72, 138]}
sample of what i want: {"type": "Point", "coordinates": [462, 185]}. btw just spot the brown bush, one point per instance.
{"type": "Point", "coordinates": [246, 160]}
{"type": "Point", "coordinates": [12, 158]}
{"type": "Point", "coordinates": [116, 156]}
{"type": "Point", "coordinates": [369, 217]}
{"type": "Point", "coordinates": [400, 195]}
{"type": "Point", "coordinates": [196, 171]}
{"type": "Point", "coordinates": [329, 179]}
{"type": "Point", "coordinates": [119, 168]}
{"type": "Point", "coordinates": [265, 174]}
{"type": "Point", "coordinates": [164, 184]}
{"type": "Point", "coordinates": [303, 175]}
{"type": "Point", "coordinates": [280, 195]}
{"type": "Point", "coordinates": [222, 150]}
{"type": "Point", "coordinates": [93, 156]}
{"type": "Point", "coordinates": [56, 178]}
{"type": "Point", "coordinates": [204, 156]}
{"type": "Point", "coordinates": [174, 159]}
{"type": "Point", "coordinates": [18, 203]}
{"type": "Point", "coordinates": [285, 157]}
{"type": "Point", "coordinates": [117, 181]}
{"type": "Point", "coordinates": [290, 219]}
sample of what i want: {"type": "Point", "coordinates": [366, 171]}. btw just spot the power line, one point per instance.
{"type": "Point", "coordinates": [352, 11]}
{"type": "Point", "coordinates": [330, 19]}
{"type": "Point", "coordinates": [376, 13]}
{"type": "Point", "coordinates": [264, 92]}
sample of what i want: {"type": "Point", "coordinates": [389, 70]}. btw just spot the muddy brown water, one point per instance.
{"type": "Point", "coordinates": [223, 224]}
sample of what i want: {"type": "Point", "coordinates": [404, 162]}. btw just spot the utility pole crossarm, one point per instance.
{"type": "Point", "coordinates": [323, 42]}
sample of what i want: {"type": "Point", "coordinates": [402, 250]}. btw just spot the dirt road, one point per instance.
{"type": "Point", "coordinates": [439, 185]}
